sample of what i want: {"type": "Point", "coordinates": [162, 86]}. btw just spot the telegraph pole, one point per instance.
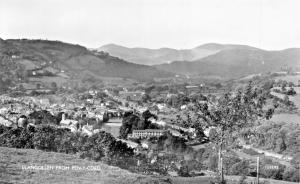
{"type": "Point", "coordinates": [222, 173]}
{"type": "Point", "coordinates": [257, 171]}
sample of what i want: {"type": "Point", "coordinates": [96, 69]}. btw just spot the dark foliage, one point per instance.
{"type": "Point", "coordinates": [42, 117]}
{"type": "Point", "coordinates": [101, 146]}
{"type": "Point", "coordinates": [133, 121]}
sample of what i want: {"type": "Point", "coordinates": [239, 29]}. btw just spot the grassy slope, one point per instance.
{"type": "Point", "coordinates": [11, 161]}
{"type": "Point", "coordinates": [296, 99]}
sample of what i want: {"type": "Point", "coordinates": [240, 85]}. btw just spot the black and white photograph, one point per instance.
{"type": "Point", "coordinates": [149, 91]}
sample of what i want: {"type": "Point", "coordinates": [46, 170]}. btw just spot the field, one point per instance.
{"type": "Point", "coordinates": [289, 118]}
{"type": "Point", "coordinates": [286, 117]}
{"type": "Point", "coordinates": [289, 78]}
{"type": "Point", "coordinates": [296, 98]}
{"type": "Point", "coordinates": [48, 80]}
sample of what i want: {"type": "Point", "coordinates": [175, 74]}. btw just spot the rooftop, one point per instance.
{"type": "Point", "coordinates": [149, 130]}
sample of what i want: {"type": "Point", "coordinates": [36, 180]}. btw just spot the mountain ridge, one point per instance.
{"type": "Point", "coordinates": [141, 55]}
{"type": "Point", "coordinates": [147, 56]}
{"type": "Point", "coordinates": [231, 63]}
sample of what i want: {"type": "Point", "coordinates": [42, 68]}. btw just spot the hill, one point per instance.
{"type": "Point", "coordinates": [237, 61]}
{"type": "Point", "coordinates": [73, 60]}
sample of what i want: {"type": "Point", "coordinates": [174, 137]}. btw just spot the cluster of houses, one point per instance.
{"type": "Point", "coordinates": [204, 89]}
{"type": "Point", "coordinates": [14, 110]}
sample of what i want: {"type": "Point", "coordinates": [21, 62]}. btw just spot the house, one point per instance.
{"type": "Point", "coordinates": [190, 89]}
{"type": "Point", "coordinates": [158, 122]}
{"type": "Point", "coordinates": [67, 122]}
{"type": "Point", "coordinates": [146, 133]}
{"type": "Point", "coordinates": [183, 107]}
{"type": "Point", "coordinates": [88, 130]}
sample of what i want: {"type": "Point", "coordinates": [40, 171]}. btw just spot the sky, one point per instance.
{"type": "Point", "coordinates": [180, 24]}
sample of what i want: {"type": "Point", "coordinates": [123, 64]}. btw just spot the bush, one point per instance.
{"type": "Point", "coordinates": [291, 91]}
{"type": "Point", "coordinates": [240, 168]}
{"type": "Point", "coordinates": [184, 171]}
{"type": "Point", "coordinates": [3, 129]}
{"type": "Point", "coordinates": [291, 174]}
{"type": "Point", "coordinates": [17, 138]}
{"type": "Point", "coordinates": [47, 138]}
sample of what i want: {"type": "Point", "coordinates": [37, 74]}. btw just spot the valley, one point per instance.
{"type": "Point", "coordinates": [62, 101]}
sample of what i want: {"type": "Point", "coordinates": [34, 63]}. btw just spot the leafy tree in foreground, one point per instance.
{"type": "Point", "coordinates": [231, 113]}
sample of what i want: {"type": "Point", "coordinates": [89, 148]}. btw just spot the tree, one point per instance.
{"type": "Point", "coordinates": [133, 121]}
{"type": "Point", "coordinates": [231, 113]}
{"type": "Point", "coordinates": [184, 171]}
{"type": "Point", "coordinates": [53, 85]}
{"type": "Point", "coordinates": [283, 87]}
{"type": "Point", "coordinates": [21, 87]}
{"type": "Point", "coordinates": [291, 91]}
{"type": "Point", "coordinates": [286, 100]}
{"type": "Point", "coordinates": [42, 117]}
{"type": "Point", "coordinates": [291, 84]}
{"type": "Point", "coordinates": [145, 98]}
{"type": "Point", "coordinates": [130, 121]}
{"type": "Point", "coordinates": [149, 89]}
{"type": "Point", "coordinates": [291, 174]}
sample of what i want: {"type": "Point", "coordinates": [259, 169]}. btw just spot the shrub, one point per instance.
{"type": "Point", "coordinates": [291, 174]}
{"type": "Point", "coordinates": [3, 129]}
{"type": "Point", "coordinates": [240, 168]}
{"type": "Point", "coordinates": [17, 138]}
{"type": "Point", "coordinates": [184, 171]}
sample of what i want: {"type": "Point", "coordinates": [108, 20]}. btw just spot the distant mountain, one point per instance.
{"type": "Point", "coordinates": [159, 56]}
{"type": "Point", "coordinates": [73, 59]}
{"type": "Point", "coordinates": [235, 61]}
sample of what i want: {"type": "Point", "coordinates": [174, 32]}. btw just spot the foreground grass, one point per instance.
{"type": "Point", "coordinates": [12, 162]}
{"type": "Point", "coordinates": [12, 170]}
